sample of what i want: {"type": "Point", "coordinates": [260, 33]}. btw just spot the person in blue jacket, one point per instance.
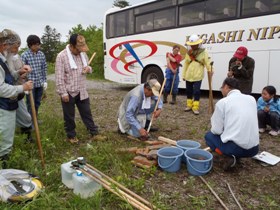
{"type": "Point", "coordinates": [269, 111]}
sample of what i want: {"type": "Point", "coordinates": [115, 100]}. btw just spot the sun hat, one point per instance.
{"type": "Point", "coordinates": [194, 40]}
{"type": "Point", "coordinates": [81, 44]}
{"type": "Point", "coordinates": [241, 52]}
{"type": "Point", "coordinates": [155, 86]}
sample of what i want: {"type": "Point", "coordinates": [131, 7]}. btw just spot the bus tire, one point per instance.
{"type": "Point", "coordinates": [152, 72]}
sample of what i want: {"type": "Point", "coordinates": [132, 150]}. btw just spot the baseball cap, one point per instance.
{"type": "Point", "coordinates": [81, 44]}
{"type": "Point", "coordinates": [241, 52]}
{"type": "Point", "coordinates": [155, 86]}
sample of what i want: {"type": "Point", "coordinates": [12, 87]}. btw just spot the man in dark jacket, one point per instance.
{"type": "Point", "coordinates": [241, 67]}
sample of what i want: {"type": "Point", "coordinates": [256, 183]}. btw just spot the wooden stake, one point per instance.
{"type": "Point", "coordinates": [159, 98]}
{"type": "Point", "coordinates": [35, 123]}
{"type": "Point", "coordinates": [214, 193]}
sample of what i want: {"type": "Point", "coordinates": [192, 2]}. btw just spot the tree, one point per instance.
{"type": "Point", "coordinates": [121, 3]}
{"type": "Point", "coordinates": [51, 44]}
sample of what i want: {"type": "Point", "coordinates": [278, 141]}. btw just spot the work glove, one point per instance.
{"type": "Point", "coordinates": [45, 85]}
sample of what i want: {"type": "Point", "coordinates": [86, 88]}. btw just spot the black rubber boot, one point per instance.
{"type": "Point", "coordinates": [173, 99]}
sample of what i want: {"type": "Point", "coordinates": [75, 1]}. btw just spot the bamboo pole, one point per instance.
{"type": "Point", "coordinates": [159, 98]}
{"type": "Point", "coordinates": [35, 123]}
{"type": "Point", "coordinates": [137, 204]}
{"type": "Point", "coordinates": [214, 193]}
{"type": "Point", "coordinates": [240, 207]}
{"type": "Point", "coordinates": [121, 186]}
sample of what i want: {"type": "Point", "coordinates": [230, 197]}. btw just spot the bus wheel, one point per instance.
{"type": "Point", "coordinates": [152, 72]}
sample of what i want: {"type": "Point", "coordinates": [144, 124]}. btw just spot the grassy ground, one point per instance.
{"type": "Point", "coordinates": [256, 186]}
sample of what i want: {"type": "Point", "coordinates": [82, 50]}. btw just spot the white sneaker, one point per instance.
{"type": "Point", "coordinates": [188, 109]}
{"type": "Point", "coordinates": [261, 130]}
{"type": "Point", "coordinates": [273, 133]}
{"type": "Point", "coordinates": [196, 112]}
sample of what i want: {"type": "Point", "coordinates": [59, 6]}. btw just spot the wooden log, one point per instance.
{"type": "Point", "coordinates": [166, 140]}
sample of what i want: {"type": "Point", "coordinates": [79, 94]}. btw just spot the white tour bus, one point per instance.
{"type": "Point", "coordinates": [136, 38]}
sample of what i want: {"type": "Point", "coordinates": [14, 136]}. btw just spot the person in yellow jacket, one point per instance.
{"type": "Point", "coordinates": [193, 71]}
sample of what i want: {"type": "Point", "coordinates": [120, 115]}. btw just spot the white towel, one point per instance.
{"type": "Point", "coordinates": [73, 64]}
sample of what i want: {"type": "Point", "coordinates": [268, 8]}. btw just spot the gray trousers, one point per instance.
{"type": "Point", "coordinates": [7, 131]}
{"type": "Point", "coordinates": [23, 118]}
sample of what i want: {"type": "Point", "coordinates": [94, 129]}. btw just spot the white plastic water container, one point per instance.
{"type": "Point", "coordinates": [67, 174]}
{"type": "Point", "coordinates": [84, 185]}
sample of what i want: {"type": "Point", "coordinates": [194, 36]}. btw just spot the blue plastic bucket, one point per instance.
{"type": "Point", "coordinates": [186, 145]}
{"type": "Point", "coordinates": [199, 161]}
{"type": "Point", "coordinates": [169, 158]}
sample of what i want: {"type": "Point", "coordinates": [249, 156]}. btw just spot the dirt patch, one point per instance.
{"type": "Point", "coordinates": [254, 185]}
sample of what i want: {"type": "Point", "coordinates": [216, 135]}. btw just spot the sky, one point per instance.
{"type": "Point", "coordinates": [31, 16]}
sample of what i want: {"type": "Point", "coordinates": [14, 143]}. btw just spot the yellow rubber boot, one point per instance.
{"type": "Point", "coordinates": [189, 105]}
{"type": "Point", "coordinates": [195, 107]}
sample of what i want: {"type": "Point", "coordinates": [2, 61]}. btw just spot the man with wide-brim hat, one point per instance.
{"type": "Point", "coordinates": [196, 60]}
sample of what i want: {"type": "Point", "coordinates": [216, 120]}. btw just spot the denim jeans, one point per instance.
{"type": "Point", "coordinates": [229, 148]}
{"type": "Point", "coordinates": [37, 97]}
{"type": "Point", "coordinates": [169, 80]}
{"type": "Point", "coordinates": [142, 118]}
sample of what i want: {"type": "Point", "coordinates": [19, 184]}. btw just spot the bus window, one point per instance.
{"type": "Point", "coordinates": [256, 7]}
{"type": "Point", "coordinates": [164, 18]}
{"type": "Point", "coordinates": [216, 9]}
{"type": "Point", "coordinates": [144, 23]}
{"type": "Point", "coordinates": [116, 25]}
{"type": "Point", "coordinates": [130, 23]}
{"type": "Point", "coordinates": [191, 13]}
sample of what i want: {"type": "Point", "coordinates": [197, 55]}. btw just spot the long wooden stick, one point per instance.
{"type": "Point", "coordinates": [90, 60]}
{"type": "Point", "coordinates": [137, 204]}
{"type": "Point", "coordinates": [121, 186]}
{"type": "Point", "coordinates": [35, 123]}
{"type": "Point", "coordinates": [214, 193]}
{"type": "Point", "coordinates": [159, 98]}
{"type": "Point", "coordinates": [211, 104]}
{"type": "Point", "coordinates": [234, 197]}
{"type": "Point", "coordinates": [169, 96]}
